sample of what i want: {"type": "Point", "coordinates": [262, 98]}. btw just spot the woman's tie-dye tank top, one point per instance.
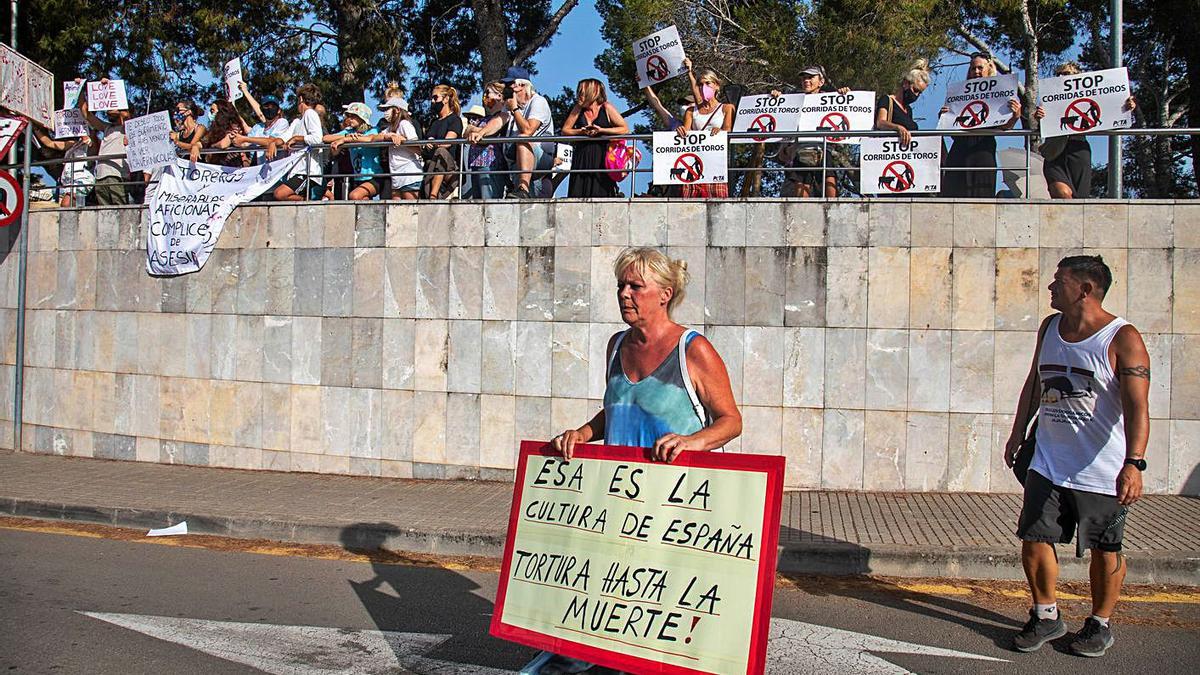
{"type": "Point", "coordinates": [638, 413]}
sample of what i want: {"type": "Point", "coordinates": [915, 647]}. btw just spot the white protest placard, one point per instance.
{"type": "Point", "coordinates": [1077, 104]}
{"type": "Point", "coordinates": [14, 80]}
{"type": "Point", "coordinates": [642, 566]}
{"type": "Point", "coordinates": [565, 154]}
{"type": "Point", "coordinates": [69, 123]}
{"type": "Point", "coordinates": [890, 167]}
{"type": "Point", "coordinates": [831, 111]}
{"type": "Point", "coordinates": [765, 113]}
{"type": "Point", "coordinates": [106, 96]}
{"type": "Point", "coordinates": [659, 57]}
{"type": "Point", "coordinates": [233, 77]}
{"type": "Point", "coordinates": [149, 141]}
{"type": "Point", "coordinates": [979, 103]}
{"type": "Point", "coordinates": [695, 158]}
{"type": "Point", "coordinates": [192, 203]}
{"type": "Point", "coordinates": [71, 90]}
{"type": "Point", "coordinates": [41, 95]}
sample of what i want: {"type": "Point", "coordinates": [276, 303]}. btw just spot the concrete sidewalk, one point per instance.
{"type": "Point", "coordinates": [894, 534]}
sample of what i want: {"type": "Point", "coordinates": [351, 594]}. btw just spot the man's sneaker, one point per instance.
{"type": "Point", "coordinates": [1093, 640]}
{"type": "Point", "coordinates": [1038, 632]}
{"type": "Point", "coordinates": [520, 193]}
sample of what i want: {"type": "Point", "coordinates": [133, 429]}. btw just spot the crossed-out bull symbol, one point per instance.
{"type": "Point", "coordinates": [1081, 122]}
{"type": "Point", "coordinates": [898, 183]}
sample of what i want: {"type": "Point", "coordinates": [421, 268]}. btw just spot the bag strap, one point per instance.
{"type": "Point", "coordinates": [616, 350]}
{"type": "Point", "coordinates": [1041, 336]}
{"type": "Point", "coordinates": [697, 406]}
{"type": "Point", "coordinates": [891, 103]}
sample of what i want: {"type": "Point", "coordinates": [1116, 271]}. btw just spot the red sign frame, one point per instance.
{"type": "Point", "coordinates": [7, 219]}
{"type": "Point", "coordinates": [771, 465]}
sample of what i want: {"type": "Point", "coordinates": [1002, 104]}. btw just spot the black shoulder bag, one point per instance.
{"type": "Point", "coordinates": [1025, 451]}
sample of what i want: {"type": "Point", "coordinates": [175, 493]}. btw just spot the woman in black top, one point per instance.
{"type": "Point", "coordinates": [894, 111]}
{"type": "Point", "coordinates": [592, 116]}
{"type": "Point", "coordinates": [976, 151]}
{"type": "Point", "coordinates": [441, 160]}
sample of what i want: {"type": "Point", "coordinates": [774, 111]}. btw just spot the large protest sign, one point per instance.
{"type": "Point", "coordinates": [69, 123]}
{"type": "Point", "coordinates": [831, 111]}
{"type": "Point", "coordinates": [890, 167]}
{"type": "Point", "coordinates": [149, 141]}
{"type": "Point", "coordinates": [1085, 102]}
{"type": "Point", "coordinates": [659, 57]}
{"type": "Point", "coordinates": [190, 206]}
{"type": "Point", "coordinates": [979, 103]}
{"type": "Point", "coordinates": [107, 96]}
{"type": "Point", "coordinates": [697, 157]}
{"type": "Point", "coordinates": [642, 566]}
{"type": "Point", "coordinates": [766, 114]}
{"type": "Point", "coordinates": [233, 78]}
{"type": "Point", "coordinates": [26, 87]}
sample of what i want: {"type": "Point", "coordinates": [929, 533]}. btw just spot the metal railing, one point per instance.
{"type": "Point", "coordinates": [464, 173]}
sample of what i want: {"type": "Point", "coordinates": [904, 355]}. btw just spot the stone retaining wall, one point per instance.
{"type": "Point", "coordinates": [879, 345]}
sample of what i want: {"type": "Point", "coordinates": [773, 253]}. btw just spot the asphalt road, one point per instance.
{"type": "Point", "coordinates": [173, 609]}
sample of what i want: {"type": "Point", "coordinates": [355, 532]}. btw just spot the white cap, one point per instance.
{"type": "Point", "coordinates": [394, 102]}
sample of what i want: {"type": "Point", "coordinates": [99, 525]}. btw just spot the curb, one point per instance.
{"type": "Point", "coordinates": [836, 559]}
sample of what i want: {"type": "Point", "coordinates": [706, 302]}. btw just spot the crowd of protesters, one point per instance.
{"type": "Point", "coordinates": [419, 163]}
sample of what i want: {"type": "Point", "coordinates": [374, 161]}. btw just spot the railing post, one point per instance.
{"type": "Point", "coordinates": [23, 238]}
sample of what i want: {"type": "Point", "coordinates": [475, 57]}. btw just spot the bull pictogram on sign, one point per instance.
{"type": "Point", "coordinates": [656, 68]}
{"type": "Point", "coordinates": [1081, 115]}
{"type": "Point", "coordinates": [973, 114]}
{"type": "Point", "coordinates": [688, 168]}
{"type": "Point", "coordinates": [897, 176]}
{"type": "Point", "coordinates": [764, 122]}
{"type": "Point", "coordinates": [834, 121]}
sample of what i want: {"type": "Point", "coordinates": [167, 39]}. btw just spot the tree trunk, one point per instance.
{"type": "Point", "coordinates": [1031, 74]}
{"type": "Point", "coordinates": [493, 38]}
{"type": "Point", "coordinates": [347, 21]}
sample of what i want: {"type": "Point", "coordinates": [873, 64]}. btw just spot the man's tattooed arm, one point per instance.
{"type": "Point", "coordinates": [1136, 371]}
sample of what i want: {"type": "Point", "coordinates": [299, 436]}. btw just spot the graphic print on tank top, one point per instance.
{"type": "Point", "coordinates": [1068, 393]}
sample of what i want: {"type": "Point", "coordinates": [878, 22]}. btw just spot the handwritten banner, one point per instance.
{"type": "Point", "coordinates": [189, 209]}
{"type": "Point", "coordinates": [25, 87]}
{"type": "Point", "coordinates": [106, 96]}
{"type": "Point", "coordinates": [697, 157]}
{"type": "Point", "coordinates": [233, 77]}
{"type": "Point", "coordinates": [642, 566]}
{"type": "Point", "coordinates": [979, 103]}
{"type": "Point", "coordinates": [659, 57]}
{"type": "Point", "coordinates": [1077, 104]}
{"type": "Point", "coordinates": [69, 123]}
{"type": "Point", "coordinates": [71, 90]}
{"type": "Point", "coordinates": [150, 143]}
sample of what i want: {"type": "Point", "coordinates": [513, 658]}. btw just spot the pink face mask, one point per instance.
{"type": "Point", "coordinates": [708, 92]}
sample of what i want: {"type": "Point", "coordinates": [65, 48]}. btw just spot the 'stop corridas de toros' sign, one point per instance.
{"type": "Point", "coordinates": [1077, 104]}
{"type": "Point", "coordinates": [642, 566]}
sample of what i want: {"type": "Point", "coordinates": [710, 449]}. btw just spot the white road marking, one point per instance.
{"type": "Point", "coordinates": [795, 647]}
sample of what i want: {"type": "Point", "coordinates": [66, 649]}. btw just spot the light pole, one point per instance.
{"type": "Point", "coordinates": [1114, 142]}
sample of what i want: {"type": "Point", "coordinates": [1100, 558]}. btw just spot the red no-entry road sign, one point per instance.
{"type": "Point", "coordinates": [656, 68]}
{"type": "Point", "coordinates": [12, 200]}
{"type": "Point", "coordinates": [688, 168]}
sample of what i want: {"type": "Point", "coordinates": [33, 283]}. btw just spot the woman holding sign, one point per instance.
{"type": "Point", "coordinates": [976, 151]}
{"type": "Point", "coordinates": [667, 388]}
{"type": "Point", "coordinates": [709, 114]}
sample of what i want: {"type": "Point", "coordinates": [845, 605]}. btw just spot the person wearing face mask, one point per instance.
{"type": "Point", "coordinates": [187, 129]}
{"type": "Point", "coordinates": [483, 159]}
{"type": "Point", "coordinates": [271, 122]}
{"type": "Point", "coordinates": [441, 160]}
{"type": "Point", "coordinates": [404, 161]}
{"type": "Point", "coordinates": [893, 112]}
{"type": "Point", "coordinates": [806, 154]}
{"type": "Point", "coordinates": [111, 174]}
{"type": "Point", "coordinates": [975, 151]}
{"type": "Point", "coordinates": [711, 115]}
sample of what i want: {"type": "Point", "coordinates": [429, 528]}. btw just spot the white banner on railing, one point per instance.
{"type": "Point", "coordinates": [190, 207]}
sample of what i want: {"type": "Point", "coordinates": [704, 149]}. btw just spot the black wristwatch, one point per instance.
{"type": "Point", "coordinates": [1139, 463]}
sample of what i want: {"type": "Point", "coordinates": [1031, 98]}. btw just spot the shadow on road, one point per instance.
{"type": "Point", "coordinates": [411, 599]}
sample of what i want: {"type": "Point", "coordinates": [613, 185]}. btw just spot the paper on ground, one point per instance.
{"type": "Point", "coordinates": [179, 528]}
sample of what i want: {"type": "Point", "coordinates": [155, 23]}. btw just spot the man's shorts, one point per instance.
{"type": "Point", "coordinates": [809, 155]}
{"type": "Point", "coordinates": [1052, 514]}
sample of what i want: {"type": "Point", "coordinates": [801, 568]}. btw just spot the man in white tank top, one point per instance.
{"type": "Point", "coordinates": [1091, 377]}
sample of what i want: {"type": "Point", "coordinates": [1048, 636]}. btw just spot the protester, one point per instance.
{"type": "Point", "coordinates": [441, 160]}
{"type": "Point", "coordinates": [1091, 377]}
{"type": "Point", "coordinates": [1068, 165]}
{"type": "Point", "coordinates": [711, 115]}
{"type": "Point", "coordinates": [976, 151]}
{"type": "Point", "coordinates": [112, 174]}
{"type": "Point", "coordinates": [807, 154]}
{"type": "Point", "coordinates": [222, 134]}
{"type": "Point", "coordinates": [366, 162]}
{"type": "Point", "coordinates": [307, 130]}
{"type": "Point", "coordinates": [893, 112]}
{"type": "Point", "coordinates": [483, 160]}
{"type": "Point", "coordinates": [188, 129]}
{"type": "Point", "coordinates": [404, 161]}
{"type": "Point", "coordinates": [528, 116]}
{"type": "Point", "coordinates": [271, 122]}
{"type": "Point", "coordinates": [669, 121]}
{"type": "Point", "coordinates": [592, 116]}
{"type": "Point", "coordinates": [75, 180]}
{"type": "Point", "coordinates": [666, 388]}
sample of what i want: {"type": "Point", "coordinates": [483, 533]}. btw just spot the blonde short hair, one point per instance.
{"type": "Point", "coordinates": [1068, 68]}
{"type": "Point", "coordinates": [653, 263]}
{"type": "Point", "coordinates": [918, 72]}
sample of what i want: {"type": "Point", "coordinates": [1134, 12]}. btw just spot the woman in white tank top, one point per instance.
{"type": "Point", "coordinates": [709, 114]}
